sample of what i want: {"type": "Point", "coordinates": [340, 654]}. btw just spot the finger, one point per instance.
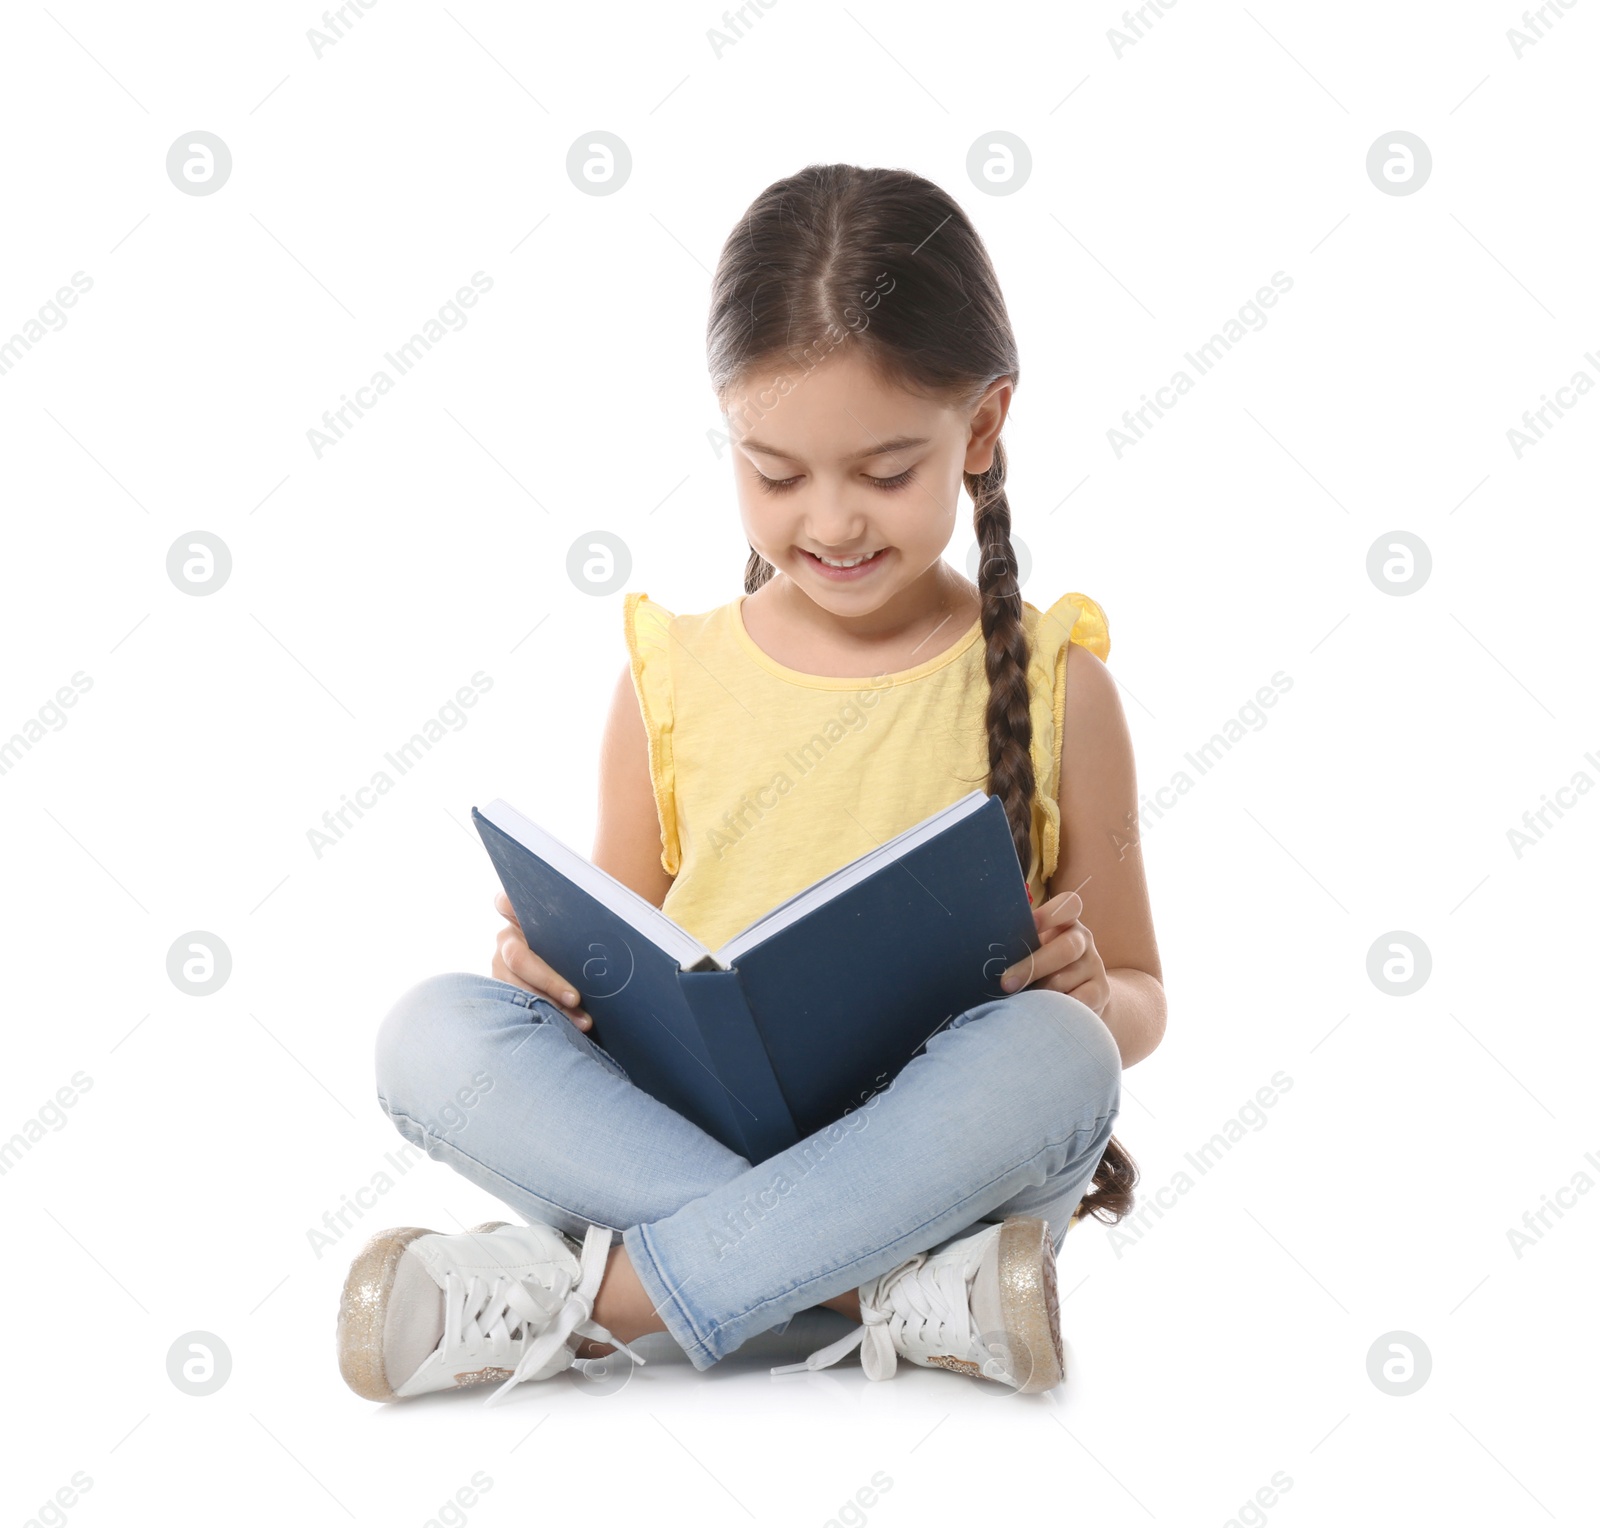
{"type": "Point", "coordinates": [555, 993]}
{"type": "Point", "coordinates": [524, 965]}
{"type": "Point", "coordinates": [501, 968]}
{"type": "Point", "coordinates": [506, 957]}
{"type": "Point", "coordinates": [536, 973]}
{"type": "Point", "coordinates": [574, 1011]}
{"type": "Point", "coordinates": [502, 905]}
{"type": "Point", "coordinates": [1051, 956]}
{"type": "Point", "coordinates": [502, 972]}
{"type": "Point", "coordinates": [1059, 910]}
{"type": "Point", "coordinates": [577, 1015]}
{"type": "Point", "coordinates": [1021, 974]}
{"type": "Point", "coordinates": [550, 987]}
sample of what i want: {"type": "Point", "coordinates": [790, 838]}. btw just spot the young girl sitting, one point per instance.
{"type": "Point", "coordinates": [861, 352]}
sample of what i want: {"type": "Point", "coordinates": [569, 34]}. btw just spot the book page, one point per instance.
{"type": "Point", "coordinates": [830, 886]}
{"type": "Point", "coordinates": [644, 917]}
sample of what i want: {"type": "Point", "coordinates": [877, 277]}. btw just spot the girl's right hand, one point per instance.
{"type": "Point", "coordinates": [515, 963]}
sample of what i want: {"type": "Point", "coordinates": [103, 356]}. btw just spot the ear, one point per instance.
{"type": "Point", "coordinates": [988, 419]}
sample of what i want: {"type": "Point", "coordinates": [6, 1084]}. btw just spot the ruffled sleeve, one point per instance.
{"type": "Point", "coordinates": [1072, 618]}
{"type": "Point", "coordinates": [645, 624]}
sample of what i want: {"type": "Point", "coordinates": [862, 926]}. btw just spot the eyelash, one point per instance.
{"type": "Point", "coordinates": [884, 485]}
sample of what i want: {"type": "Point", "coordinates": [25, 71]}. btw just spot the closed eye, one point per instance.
{"type": "Point", "coordinates": [782, 485]}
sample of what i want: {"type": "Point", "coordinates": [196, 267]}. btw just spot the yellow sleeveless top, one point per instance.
{"type": "Point", "coordinates": [767, 779]}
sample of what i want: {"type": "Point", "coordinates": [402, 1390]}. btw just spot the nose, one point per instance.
{"type": "Point", "coordinates": [836, 531]}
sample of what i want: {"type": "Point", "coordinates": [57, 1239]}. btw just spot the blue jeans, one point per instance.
{"type": "Point", "coordinates": [1007, 1111]}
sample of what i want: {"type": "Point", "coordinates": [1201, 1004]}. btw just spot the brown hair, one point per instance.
{"type": "Point", "coordinates": [838, 251]}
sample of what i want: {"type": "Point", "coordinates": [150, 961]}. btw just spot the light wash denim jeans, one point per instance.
{"type": "Point", "coordinates": [1007, 1111]}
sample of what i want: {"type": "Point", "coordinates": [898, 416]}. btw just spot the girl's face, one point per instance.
{"type": "Point", "coordinates": [835, 463]}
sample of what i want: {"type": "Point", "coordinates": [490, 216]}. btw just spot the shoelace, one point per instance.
{"type": "Point", "coordinates": [489, 1311]}
{"type": "Point", "coordinates": [912, 1304]}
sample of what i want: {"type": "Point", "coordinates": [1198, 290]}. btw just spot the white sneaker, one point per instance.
{"type": "Point", "coordinates": [984, 1305]}
{"type": "Point", "coordinates": [424, 1310]}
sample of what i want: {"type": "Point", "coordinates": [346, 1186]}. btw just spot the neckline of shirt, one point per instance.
{"type": "Point", "coordinates": [832, 682]}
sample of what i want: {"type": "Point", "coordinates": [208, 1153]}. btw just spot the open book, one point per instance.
{"type": "Point", "coordinates": [813, 1008]}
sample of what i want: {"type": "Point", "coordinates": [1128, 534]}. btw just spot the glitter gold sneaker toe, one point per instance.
{"type": "Point", "coordinates": [1028, 1300]}
{"type": "Point", "coordinates": [363, 1305]}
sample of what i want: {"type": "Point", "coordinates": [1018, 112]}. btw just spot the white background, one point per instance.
{"type": "Point", "coordinates": [1227, 1343]}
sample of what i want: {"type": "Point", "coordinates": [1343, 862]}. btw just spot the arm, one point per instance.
{"type": "Point", "coordinates": [1100, 857]}
{"type": "Point", "coordinates": [627, 842]}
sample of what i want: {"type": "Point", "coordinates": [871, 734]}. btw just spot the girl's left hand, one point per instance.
{"type": "Point", "coordinates": [1066, 960]}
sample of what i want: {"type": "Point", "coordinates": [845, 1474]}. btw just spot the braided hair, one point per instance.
{"type": "Point", "coordinates": [886, 258]}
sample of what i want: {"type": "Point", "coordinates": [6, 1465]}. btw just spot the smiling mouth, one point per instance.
{"type": "Point", "coordinates": [845, 564]}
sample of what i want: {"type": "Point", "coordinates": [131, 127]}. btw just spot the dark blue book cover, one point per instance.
{"type": "Point", "coordinates": [810, 1020]}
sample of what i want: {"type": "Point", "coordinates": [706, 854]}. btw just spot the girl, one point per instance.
{"type": "Point", "coordinates": [861, 352]}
